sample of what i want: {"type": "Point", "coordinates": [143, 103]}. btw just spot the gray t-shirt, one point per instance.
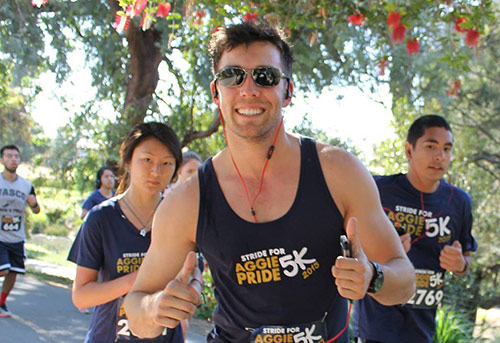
{"type": "Point", "coordinates": [12, 201]}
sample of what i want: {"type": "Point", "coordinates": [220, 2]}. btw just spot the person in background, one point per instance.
{"type": "Point", "coordinates": [15, 193]}
{"type": "Point", "coordinates": [104, 184]}
{"type": "Point", "coordinates": [434, 219]}
{"type": "Point", "coordinates": [190, 163]}
{"type": "Point", "coordinates": [116, 234]}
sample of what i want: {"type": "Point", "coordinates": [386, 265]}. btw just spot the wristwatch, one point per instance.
{"type": "Point", "coordinates": [377, 279]}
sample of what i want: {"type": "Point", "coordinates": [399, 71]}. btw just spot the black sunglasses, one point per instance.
{"type": "Point", "coordinates": [262, 76]}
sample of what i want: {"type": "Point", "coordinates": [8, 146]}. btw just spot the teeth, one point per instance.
{"type": "Point", "coordinates": [249, 111]}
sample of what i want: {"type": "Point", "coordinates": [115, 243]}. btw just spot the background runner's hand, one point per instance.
{"type": "Point", "coordinates": [31, 199]}
{"type": "Point", "coordinates": [406, 241]}
{"type": "Point", "coordinates": [353, 275]}
{"type": "Point", "coordinates": [451, 257]}
{"type": "Point", "coordinates": [181, 296]}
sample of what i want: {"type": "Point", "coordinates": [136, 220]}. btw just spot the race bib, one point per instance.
{"type": "Point", "coordinates": [11, 223]}
{"type": "Point", "coordinates": [123, 333]}
{"type": "Point", "coordinates": [301, 333]}
{"type": "Point", "coordinates": [429, 291]}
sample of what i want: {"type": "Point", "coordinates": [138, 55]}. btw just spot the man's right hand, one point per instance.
{"type": "Point", "coordinates": [181, 297]}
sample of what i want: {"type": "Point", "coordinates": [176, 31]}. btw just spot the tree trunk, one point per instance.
{"type": "Point", "coordinates": [145, 58]}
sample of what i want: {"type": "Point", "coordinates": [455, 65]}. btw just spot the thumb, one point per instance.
{"type": "Point", "coordinates": [456, 244]}
{"type": "Point", "coordinates": [184, 275]}
{"type": "Point", "coordinates": [352, 234]}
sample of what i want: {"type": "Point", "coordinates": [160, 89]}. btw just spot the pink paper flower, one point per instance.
{"type": "Point", "coordinates": [471, 38]}
{"type": "Point", "coordinates": [393, 19]}
{"type": "Point", "coordinates": [398, 33]}
{"type": "Point", "coordinates": [163, 9]}
{"type": "Point", "coordinates": [412, 47]}
{"type": "Point", "coordinates": [38, 3]}
{"type": "Point", "coordinates": [121, 22]}
{"type": "Point", "coordinates": [458, 28]}
{"type": "Point", "coordinates": [356, 19]}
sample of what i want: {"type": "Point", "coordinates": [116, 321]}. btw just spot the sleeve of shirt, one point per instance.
{"type": "Point", "coordinates": [89, 249]}
{"type": "Point", "coordinates": [89, 202]}
{"type": "Point", "coordinates": [466, 239]}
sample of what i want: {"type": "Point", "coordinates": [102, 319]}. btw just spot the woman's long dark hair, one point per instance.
{"type": "Point", "coordinates": [139, 133]}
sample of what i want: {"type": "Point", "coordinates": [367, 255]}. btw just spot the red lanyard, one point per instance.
{"type": "Point", "coordinates": [268, 158]}
{"type": "Point", "coordinates": [345, 326]}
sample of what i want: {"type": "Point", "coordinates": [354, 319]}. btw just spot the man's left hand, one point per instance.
{"type": "Point", "coordinates": [353, 275]}
{"type": "Point", "coordinates": [452, 259]}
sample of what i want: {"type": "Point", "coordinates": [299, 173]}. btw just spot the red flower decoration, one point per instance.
{"type": "Point", "coordinates": [38, 3]}
{"type": "Point", "coordinates": [471, 37]}
{"type": "Point", "coordinates": [139, 6]}
{"type": "Point", "coordinates": [398, 33]}
{"type": "Point", "coordinates": [456, 85]}
{"type": "Point", "coordinates": [382, 64]}
{"type": "Point", "coordinates": [251, 16]}
{"type": "Point", "coordinates": [412, 47]}
{"type": "Point", "coordinates": [356, 19]}
{"type": "Point", "coordinates": [458, 28]}
{"type": "Point", "coordinates": [288, 32]}
{"type": "Point", "coordinates": [393, 19]}
{"type": "Point", "coordinates": [163, 9]}
{"type": "Point", "coordinates": [121, 22]}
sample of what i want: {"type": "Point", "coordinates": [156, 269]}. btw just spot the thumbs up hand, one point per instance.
{"type": "Point", "coordinates": [353, 275]}
{"type": "Point", "coordinates": [452, 259]}
{"type": "Point", "coordinates": [182, 295]}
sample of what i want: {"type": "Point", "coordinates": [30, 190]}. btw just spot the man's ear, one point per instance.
{"type": "Point", "coordinates": [215, 93]}
{"type": "Point", "coordinates": [288, 94]}
{"type": "Point", "coordinates": [408, 150]}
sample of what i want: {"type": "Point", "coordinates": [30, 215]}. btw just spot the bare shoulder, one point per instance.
{"type": "Point", "coordinates": [347, 178]}
{"type": "Point", "coordinates": [178, 213]}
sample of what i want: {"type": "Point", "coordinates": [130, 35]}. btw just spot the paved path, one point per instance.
{"type": "Point", "coordinates": [43, 312]}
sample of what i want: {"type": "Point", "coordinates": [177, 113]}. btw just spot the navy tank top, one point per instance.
{"type": "Point", "coordinates": [278, 272]}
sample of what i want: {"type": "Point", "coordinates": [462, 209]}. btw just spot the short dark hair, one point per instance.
{"type": "Point", "coordinates": [101, 171]}
{"type": "Point", "coordinates": [230, 37]}
{"type": "Point", "coordinates": [190, 155]}
{"type": "Point", "coordinates": [417, 129]}
{"type": "Point", "coordinates": [139, 133]}
{"type": "Point", "coordinates": [9, 147]}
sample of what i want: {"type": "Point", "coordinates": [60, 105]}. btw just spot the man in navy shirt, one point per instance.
{"type": "Point", "coordinates": [434, 219]}
{"type": "Point", "coordinates": [269, 228]}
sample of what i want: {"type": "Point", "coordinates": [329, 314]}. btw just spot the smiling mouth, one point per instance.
{"type": "Point", "coordinates": [250, 111]}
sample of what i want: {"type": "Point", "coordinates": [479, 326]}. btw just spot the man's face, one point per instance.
{"type": "Point", "coordinates": [430, 157]}
{"type": "Point", "coordinates": [251, 111]}
{"type": "Point", "coordinates": [11, 159]}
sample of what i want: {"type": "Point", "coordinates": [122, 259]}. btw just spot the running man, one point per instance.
{"type": "Point", "coordinates": [435, 221]}
{"type": "Point", "coordinates": [267, 212]}
{"type": "Point", "coordinates": [15, 192]}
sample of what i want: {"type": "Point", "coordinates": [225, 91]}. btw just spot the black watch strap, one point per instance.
{"type": "Point", "coordinates": [377, 280]}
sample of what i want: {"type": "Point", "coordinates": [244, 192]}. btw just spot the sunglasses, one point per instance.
{"type": "Point", "coordinates": [262, 76]}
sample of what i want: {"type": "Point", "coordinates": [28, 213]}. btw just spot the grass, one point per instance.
{"type": "Point", "coordinates": [38, 252]}
{"type": "Point", "coordinates": [55, 280]}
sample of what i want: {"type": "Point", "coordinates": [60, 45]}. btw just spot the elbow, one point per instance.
{"type": "Point", "coordinates": [78, 300]}
{"type": "Point", "coordinates": [409, 286]}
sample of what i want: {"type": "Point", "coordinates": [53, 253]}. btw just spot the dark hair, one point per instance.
{"type": "Point", "coordinates": [190, 155]}
{"type": "Point", "coordinates": [101, 171]}
{"type": "Point", "coordinates": [139, 133]}
{"type": "Point", "coordinates": [417, 129]}
{"type": "Point", "coordinates": [9, 147]}
{"type": "Point", "coordinates": [230, 37]}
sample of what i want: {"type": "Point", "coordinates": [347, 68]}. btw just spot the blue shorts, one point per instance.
{"type": "Point", "coordinates": [12, 257]}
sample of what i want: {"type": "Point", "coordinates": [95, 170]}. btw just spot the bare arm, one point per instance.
{"type": "Point", "coordinates": [163, 293]}
{"type": "Point", "coordinates": [372, 235]}
{"type": "Point", "coordinates": [88, 292]}
{"type": "Point", "coordinates": [31, 199]}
